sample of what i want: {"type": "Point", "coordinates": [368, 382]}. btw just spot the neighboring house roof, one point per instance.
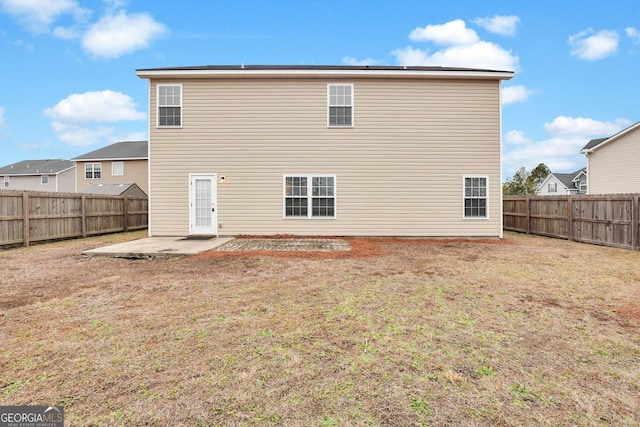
{"type": "Point", "coordinates": [125, 150]}
{"type": "Point", "coordinates": [595, 144]}
{"type": "Point", "coordinates": [334, 70]}
{"type": "Point", "coordinates": [37, 167]}
{"type": "Point", "coordinates": [110, 189]}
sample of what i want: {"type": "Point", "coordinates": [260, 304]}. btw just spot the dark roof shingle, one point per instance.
{"type": "Point", "coordinates": [37, 167]}
{"type": "Point", "coordinates": [119, 150]}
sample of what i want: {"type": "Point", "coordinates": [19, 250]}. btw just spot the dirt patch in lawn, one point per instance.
{"type": "Point", "coordinates": [523, 331]}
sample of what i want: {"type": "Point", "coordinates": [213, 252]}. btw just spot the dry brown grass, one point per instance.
{"type": "Point", "coordinates": [528, 331]}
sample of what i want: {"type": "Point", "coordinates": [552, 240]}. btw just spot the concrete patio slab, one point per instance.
{"type": "Point", "coordinates": [158, 247]}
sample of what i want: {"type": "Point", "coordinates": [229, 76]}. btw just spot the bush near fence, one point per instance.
{"type": "Point", "coordinates": [605, 219]}
{"type": "Point", "coordinates": [27, 217]}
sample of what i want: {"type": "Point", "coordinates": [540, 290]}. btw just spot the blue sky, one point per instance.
{"type": "Point", "coordinates": [68, 66]}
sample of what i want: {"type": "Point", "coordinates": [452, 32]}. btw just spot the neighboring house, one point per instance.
{"type": "Point", "coordinates": [613, 162]}
{"type": "Point", "coordinates": [119, 163]}
{"type": "Point", "coordinates": [115, 190]}
{"type": "Point", "coordinates": [325, 150]}
{"type": "Point", "coordinates": [557, 184]}
{"type": "Point", "coordinates": [39, 175]}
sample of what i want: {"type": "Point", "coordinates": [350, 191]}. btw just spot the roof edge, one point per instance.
{"type": "Point", "coordinates": [324, 70]}
{"type": "Point", "coordinates": [610, 139]}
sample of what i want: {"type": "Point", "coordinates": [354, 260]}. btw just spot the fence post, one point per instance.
{"type": "Point", "coordinates": [25, 219]}
{"type": "Point", "coordinates": [528, 215]}
{"type": "Point", "coordinates": [570, 217]}
{"type": "Point", "coordinates": [635, 212]}
{"type": "Point", "coordinates": [83, 201]}
{"type": "Point", "coordinates": [125, 209]}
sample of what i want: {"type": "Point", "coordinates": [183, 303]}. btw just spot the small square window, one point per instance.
{"type": "Point", "coordinates": [44, 179]}
{"type": "Point", "coordinates": [117, 168]}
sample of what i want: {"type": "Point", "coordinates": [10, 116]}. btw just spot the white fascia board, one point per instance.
{"type": "Point", "coordinates": [195, 73]}
{"type": "Point", "coordinates": [109, 159]}
{"type": "Point", "coordinates": [611, 139]}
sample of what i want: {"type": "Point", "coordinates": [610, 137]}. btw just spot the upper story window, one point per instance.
{"type": "Point", "coordinates": [340, 105]}
{"type": "Point", "coordinates": [117, 168]}
{"type": "Point", "coordinates": [552, 188]}
{"type": "Point", "coordinates": [93, 170]}
{"type": "Point", "coordinates": [44, 179]}
{"type": "Point", "coordinates": [309, 196]}
{"type": "Point", "coordinates": [476, 201]}
{"type": "Point", "coordinates": [583, 186]}
{"type": "Point", "coordinates": [169, 105]}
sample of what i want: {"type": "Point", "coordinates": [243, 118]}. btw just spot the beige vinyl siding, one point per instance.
{"type": "Point", "coordinates": [135, 172]}
{"type": "Point", "coordinates": [398, 170]}
{"type": "Point", "coordinates": [613, 168]}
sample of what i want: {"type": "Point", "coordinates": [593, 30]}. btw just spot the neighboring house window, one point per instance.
{"type": "Point", "coordinates": [583, 186]}
{"type": "Point", "coordinates": [169, 105]}
{"type": "Point", "coordinates": [309, 196]}
{"type": "Point", "coordinates": [552, 188]}
{"type": "Point", "coordinates": [93, 170]}
{"type": "Point", "coordinates": [475, 197]}
{"type": "Point", "coordinates": [340, 104]}
{"type": "Point", "coordinates": [44, 179]}
{"type": "Point", "coordinates": [117, 168]}
{"type": "Point", "coordinates": [6, 181]}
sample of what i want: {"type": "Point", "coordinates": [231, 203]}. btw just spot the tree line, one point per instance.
{"type": "Point", "coordinates": [524, 183]}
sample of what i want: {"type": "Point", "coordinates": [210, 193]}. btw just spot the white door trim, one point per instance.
{"type": "Point", "coordinates": [199, 224]}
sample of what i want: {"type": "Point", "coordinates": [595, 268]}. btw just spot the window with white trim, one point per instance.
{"type": "Point", "coordinates": [476, 201]}
{"type": "Point", "coordinates": [44, 179]}
{"type": "Point", "coordinates": [169, 105]}
{"type": "Point", "coordinates": [93, 170]}
{"type": "Point", "coordinates": [307, 196]}
{"type": "Point", "coordinates": [583, 186]}
{"type": "Point", "coordinates": [117, 168]}
{"type": "Point", "coordinates": [6, 181]}
{"type": "Point", "coordinates": [552, 188]}
{"type": "Point", "coordinates": [340, 105]}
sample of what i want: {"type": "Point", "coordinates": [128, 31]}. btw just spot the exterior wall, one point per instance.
{"type": "Point", "coordinates": [399, 171]}
{"type": "Point", "coordinates": [613, 168]}
{"type": "Point", "coordinates": [551, 179]}
{"type": "Point", "coordinates": [67, 181]}
{"type": "Point", "coordinates": [135, 171]}
{"type": "Point", "coordinates": [64, 182]}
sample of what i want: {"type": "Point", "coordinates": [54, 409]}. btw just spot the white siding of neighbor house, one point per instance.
{"type": "Point", "coordinates": [61, 182]}
{"type": "Point", "coordinates": [613, 168]}
{"type": "Point", "coordinates": [398, 170]}
{"type": "Point", "coordinates": [544, 188]}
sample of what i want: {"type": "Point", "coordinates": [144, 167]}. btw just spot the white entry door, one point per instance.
{"type": "Point", "coordinates": [203, 215]}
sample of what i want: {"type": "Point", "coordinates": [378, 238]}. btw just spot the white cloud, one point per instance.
{"type": "Point", "coordinates": [633, 34]}
{"type": "Point", "coordinates": [66, 33]}
{"type": "Point", "coordinates": [481, 54]}
{"type": "Point", "coordinates": [560, 152]}
{"type": "Point", "coordinates": [513, 94]}
{"type": "Point", "coordinates": [115, 35]}
{"type": "Point", "coordinates": [38, 15]}
{"type": "Point", "coordinates": [350, 60]}
{"type": "Point", "coordinates": [461, 48]}
{"type": "Point", "coordinates": [594, 46]}
{"type": "Point", "coordinates": [78, 120]}
{"type": "Point", "coordinates": [516, 137]}
{"type": "Point", "coordinates": [582, 127]}
{"type": "Point", "coordinates": [95, 107]}
{"type": "Point", "coordinates": [453, 33]}
{"type": "Point", "coordinates": [503, 25]}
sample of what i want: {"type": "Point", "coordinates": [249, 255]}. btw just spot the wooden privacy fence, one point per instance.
{"type": "Point", "coordinates": [27, 217]}
{"type": "Point", "coordinates": [610, 220]}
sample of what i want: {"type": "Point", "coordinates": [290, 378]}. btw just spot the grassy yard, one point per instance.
{"type": "Point", "coordinates": [526, 331]}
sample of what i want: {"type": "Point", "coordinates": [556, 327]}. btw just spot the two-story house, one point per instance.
{"type": "Point", "coordinates": [124, 162]}
{"type": "Point", "coordinates": [613, 162]}
{"type": "Point", "coordinates": [39, 175]}
{"type": "Point", "coordinates": [325, 150]}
